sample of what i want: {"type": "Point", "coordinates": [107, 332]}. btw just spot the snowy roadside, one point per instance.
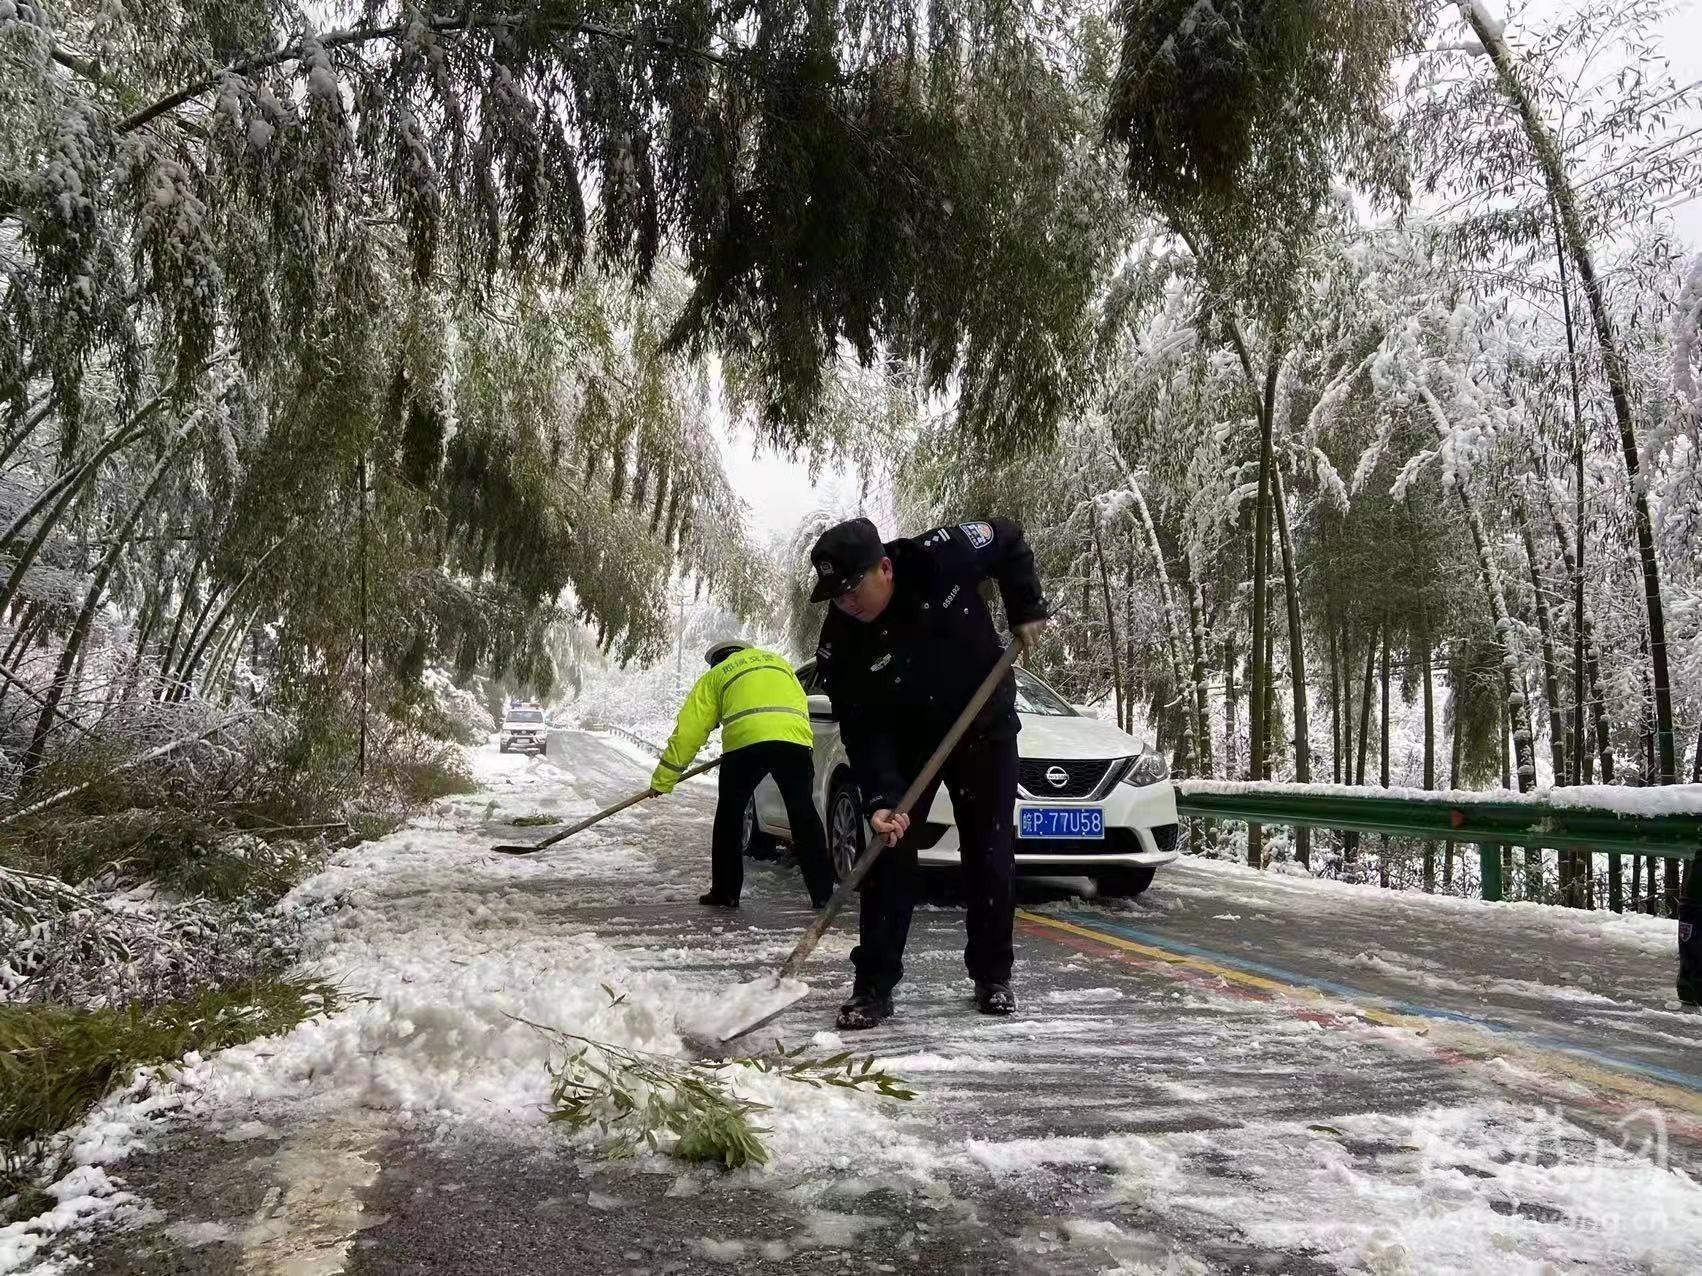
{"type": "Point", "coordinates": [1126, 1120]}
{"type": "Point", "coordinates": [439, 949]}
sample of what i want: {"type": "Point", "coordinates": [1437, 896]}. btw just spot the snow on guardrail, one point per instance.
{"type": "Point", "coordinates": [1616, 799]}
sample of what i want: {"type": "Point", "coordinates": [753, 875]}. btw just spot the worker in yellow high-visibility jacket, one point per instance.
{"type": "Point", "coordinates": [759, 704]}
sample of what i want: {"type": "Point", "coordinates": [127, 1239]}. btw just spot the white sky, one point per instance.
{"type": "Point", "coordinates": [780, 492]}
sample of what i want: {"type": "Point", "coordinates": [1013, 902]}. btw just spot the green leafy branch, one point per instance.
{"type": "Point", "coordinates": [685, 1108]}
{"type": "Point", "coordinates": [845, 1071]}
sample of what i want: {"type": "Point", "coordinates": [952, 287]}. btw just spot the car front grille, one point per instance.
{"type": "Point", "coordinates": [1081, 778]}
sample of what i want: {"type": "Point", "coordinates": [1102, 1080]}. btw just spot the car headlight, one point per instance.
{"type": "Point", "coordinates": [1149, 768]}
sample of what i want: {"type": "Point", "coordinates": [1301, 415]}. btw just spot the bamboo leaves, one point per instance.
{"type": "Point", "coordinates": [686, 1108]}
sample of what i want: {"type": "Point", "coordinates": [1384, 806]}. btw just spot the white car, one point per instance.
{"type": "Point", "coordinates": [1091, 800]}
{"type": "Point", "coordinates": [524, 730]}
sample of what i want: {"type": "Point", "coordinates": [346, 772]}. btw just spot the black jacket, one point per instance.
{"type": "Point", "coordinates": [898, 682]}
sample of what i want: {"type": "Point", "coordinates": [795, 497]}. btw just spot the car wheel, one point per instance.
{"type": "Point", "coordinates": [1124, 883]}
{"type": "Point", "coordinates": [756, 844]}
{"type": "Point", "coordinates": [845, 828]}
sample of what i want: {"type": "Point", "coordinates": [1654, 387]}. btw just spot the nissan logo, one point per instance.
{"type": "Point", "coordinates": [1057, 777]}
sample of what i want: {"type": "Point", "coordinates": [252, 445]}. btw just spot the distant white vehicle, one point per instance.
{"type": "Point", "coordinates": [1091, 800]}
{"type": "Point", "coordinates": [524, 730]}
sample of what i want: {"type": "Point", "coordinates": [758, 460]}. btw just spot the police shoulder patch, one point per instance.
{"type": "Point", "coordinates": [980, 534]}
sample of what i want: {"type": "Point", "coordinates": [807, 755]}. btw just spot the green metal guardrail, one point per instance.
{"type": "Point", "coordinates": [1454, 817]}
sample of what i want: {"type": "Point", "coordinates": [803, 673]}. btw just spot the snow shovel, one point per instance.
{"type": "Point", "coordinates": [759, 1000]}
{"type": "Point", "coordinates": [589, 820]}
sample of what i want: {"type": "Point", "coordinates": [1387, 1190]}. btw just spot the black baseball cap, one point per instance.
{"type": "Point", "coordinates": [841, 556]}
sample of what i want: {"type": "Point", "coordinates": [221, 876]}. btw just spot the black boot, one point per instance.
{"type": "Point", "coordinates": [864, 1010]}
{"type": "Point", "coordinates": [995, 999]}
{"type": "Point", "coordinates": [715, 901]}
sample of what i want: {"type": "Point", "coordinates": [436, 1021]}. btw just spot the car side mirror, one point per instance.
{"type": "Point", "coordinates": [820, 706]}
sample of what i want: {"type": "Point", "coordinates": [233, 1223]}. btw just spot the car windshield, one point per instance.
{"type": "Point", "coordinates": [1034, 696]}
{"type": "Point", "coordinates": [525, 715]}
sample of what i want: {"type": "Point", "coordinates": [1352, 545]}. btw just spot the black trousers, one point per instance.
{"type": "Point", "coordinates": [793, 769]}
{"type": "Point", "coordinates": [980, 775]}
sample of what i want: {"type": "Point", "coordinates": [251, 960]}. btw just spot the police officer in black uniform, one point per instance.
{"type": "Point", "coordinates": [905, 645]}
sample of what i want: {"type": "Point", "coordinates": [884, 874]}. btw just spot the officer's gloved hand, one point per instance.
{"type": "Point", "coordinates": [1029, 634]}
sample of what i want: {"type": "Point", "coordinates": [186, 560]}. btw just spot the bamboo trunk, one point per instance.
{"type": "Point", "coordinates": [1110, 619]}
{"type": "Point", "coordinates": [1273, 737]}
{"type": "Point", "coordinates": [1590, 656]}
{"type": "Point", "coordinates": [169, 655]}
{"type": "Point", "coordinates": [1580, 623]}
{"type": "Point", "coordinates": [144, 630]}
{"type": "Point", "coordinates": [1336, 750]}
{"type": "Point", "coordinates": [36, 754]}
{"type": "Point", "coordinates": [62, 503]}
{"type": "Point", "coordinates": [1383, 760]}
{"type": "Point", "coordinates": [1429, 760]}
{"type": "Point", "coordinates": [176, 687]}
{"type": "Point", "coordinates": [1369, 686]}
{"type": "Point", "coordinates": [1505, 728]}
{"type": "Point", "coordinates": [1202, 705]}
{"type": "Point", "coordinates": [1231, 749]}
{"type": "Point", "coordinates": [1545, 627]}
{"type": "Point", "coordinates": [1518, 713]}
{"type": "Point", "coordinates": [1296, 660]}
{"type": "Point", "coordinates": [1453, 783]}
{"type": "Point", "coordinates": [1570, 878]}
{"type": "Point", "coordinates": [16, 440]}
{"type": "Point", "coordinates": [186, 671]}
{"type": "Point", "coordinates": [1129, 628]}
{"type": "Point", "coordinates": [365, 689]}
{"type": "Point", "coordinates": [1614, 367]}
{"type": "Point", "coordinates": [1350, 841]}
{"type": "Point", "coordinates": [1193, 732]}
{"type": "Point", "coordinates": [1533, 854]}
{"type": "Point", "coordinates": [18, 643]}
{"type": "Point", "coordinates": [1261, 602]}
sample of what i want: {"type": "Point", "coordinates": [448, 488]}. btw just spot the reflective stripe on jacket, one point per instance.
{"type": "Point", "coordinates": [753, 696]}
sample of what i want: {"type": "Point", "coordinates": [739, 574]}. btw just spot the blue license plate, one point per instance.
{"type": "Point", "coordinates": [1061, 821]}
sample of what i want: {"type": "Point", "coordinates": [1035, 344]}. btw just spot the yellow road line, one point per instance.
{"type": "Point", "coordinates": [1175, 959]}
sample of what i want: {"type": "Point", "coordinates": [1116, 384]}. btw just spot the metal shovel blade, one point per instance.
{"type": "Point", "coordinates": [746, 1008]}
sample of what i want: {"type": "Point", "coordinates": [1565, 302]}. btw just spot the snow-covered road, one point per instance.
{"type": "Point", "coordinates": [1242, 1072]}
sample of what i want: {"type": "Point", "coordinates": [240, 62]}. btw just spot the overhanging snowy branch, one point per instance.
{"type": "Point", "coordinates": [463, 23]}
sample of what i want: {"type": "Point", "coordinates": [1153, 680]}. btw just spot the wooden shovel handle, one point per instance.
{"type": "Point", "coordinates": [620, 806]}
{"type": "Point", "coordinates": [924, 778]}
